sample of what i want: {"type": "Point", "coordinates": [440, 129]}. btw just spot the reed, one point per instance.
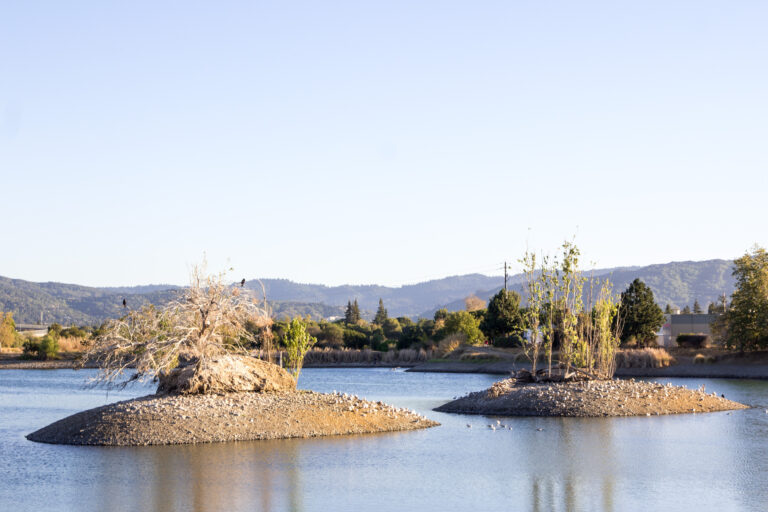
{"type": "Point", "coordinates": [643, 358]}
{"type": "Point", "coordinates": [334, 356]}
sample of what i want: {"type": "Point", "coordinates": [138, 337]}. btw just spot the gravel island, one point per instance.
{"type": "Point", "coordinates": [209, 418]}
{"type": "Point", "coordinates": [593, 398]}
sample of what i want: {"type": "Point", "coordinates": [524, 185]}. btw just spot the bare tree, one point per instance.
{"type": "Point", "coordinates": [206, 320]}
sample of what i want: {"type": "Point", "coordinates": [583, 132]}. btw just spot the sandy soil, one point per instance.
{"type": "Point", "coordinates": [176, 419]}
{"type": "Point", "coordinates": [591, 398]}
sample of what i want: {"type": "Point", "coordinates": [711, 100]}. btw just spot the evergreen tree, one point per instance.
{"type": "Point", "coordinates": [668, 310]}
{"type": "Point", "coordinates": [640, 314]}
{"type": "Point", "coordinates": [503, 316]}
{"type": "Point", "coordinates": [746, 319]}
{"type": "Point", "coordinates": [355, 312]}
{"type": "Point", "coordinates": [697, 307]}
{"type": "Point", "coordinates": [349, 314]}
{"type": "Point", "coordinates": [687, 310]}
{"type": "Point", "coordinates": [381, 314]}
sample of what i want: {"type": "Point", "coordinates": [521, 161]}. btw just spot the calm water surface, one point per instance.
{"type": "Point", "coordinates": [716, 461]}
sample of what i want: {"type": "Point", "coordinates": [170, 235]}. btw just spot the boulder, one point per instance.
{"type": "Point", "coordinates": [225, 374]}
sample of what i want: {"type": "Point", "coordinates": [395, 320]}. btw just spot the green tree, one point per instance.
{"type": "Point", "coordinates": [441, 314]}
{"type": "Point", "coordinates": [297, 343]}
{"type": "Point", "coordinates": [687, 310]}
{"type": "Point", "coordinates": [463, 322]}
{"type": "Point", "coordinates": [697, 307]}
{"type": "Point", "coordinates": [352, 314]}
{"type": "Point", "coordinates": [668, 310]}
{"type": "Point", "coordinates": [640, 314]}
{"type": "Point", "coordinates": [746, 320]}
{"type": "Point", "coordinates": [503, 316]}
{"type": "Point", "coordinates": [392, 328]}
{"type": "Point", "coordinates": [381, 314]}
{"type": "Point", "coordinates": [333, 334]}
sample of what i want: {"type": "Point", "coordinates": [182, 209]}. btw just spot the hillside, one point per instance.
{"type": "Point", "coordinates": [677, 283]}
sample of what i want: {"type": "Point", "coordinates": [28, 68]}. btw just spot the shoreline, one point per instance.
{"type": "Point", "coordinates": [681, 370]}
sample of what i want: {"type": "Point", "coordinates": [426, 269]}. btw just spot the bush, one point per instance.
{"type": "Point", "coordinates": [511, 341]}
{"type": "Point", "coordinates": [46, 347]}
{"type": "Point", "coordinates": [355, 339]}
{"type": "Point", "coordinates": [702, 359]}
{"type": "Point", "coordinates": [693, 340]}
{"type": "Point", "coordinates": [643, 358]}
{"type": "Point", "coordinates": [450, 343]}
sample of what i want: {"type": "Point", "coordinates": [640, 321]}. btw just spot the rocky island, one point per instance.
{"type": "Point", "coordinates": [234, 399]}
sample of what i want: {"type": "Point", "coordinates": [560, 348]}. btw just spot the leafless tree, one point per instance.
{"type": "Point", "coordinates": [205, 320]}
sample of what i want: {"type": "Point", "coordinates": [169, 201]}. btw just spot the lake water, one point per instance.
{"type": "Point", "coordinates": [715, 461]}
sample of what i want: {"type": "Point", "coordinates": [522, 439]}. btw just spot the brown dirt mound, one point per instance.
{"type": "Point", "coordinates": [183, 419]}
{"type": "Point", "coordinates": [588, 398]}
{"type": "Point", "coordinates": [226, 374]}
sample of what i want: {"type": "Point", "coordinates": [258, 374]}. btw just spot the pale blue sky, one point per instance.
{"type": "Point", "coordinates": [376, 142]}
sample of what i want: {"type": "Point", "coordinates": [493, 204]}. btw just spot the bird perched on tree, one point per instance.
{"type": "Point", "coordinates": [125, 304]}
{"type": "Point", "coordinates": [242, 283]}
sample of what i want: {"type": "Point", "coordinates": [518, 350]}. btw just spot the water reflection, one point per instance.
{"type": "Point", "coordinates": [568, 462]}
{"type": "Point", "coordinates": [260, 475]}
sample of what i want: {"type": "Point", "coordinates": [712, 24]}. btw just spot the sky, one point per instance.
{"type": "Point", "coordinates": [376, 142]}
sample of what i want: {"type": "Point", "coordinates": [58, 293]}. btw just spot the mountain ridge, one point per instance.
{"type": "Point", "coordinates": [676, 283]}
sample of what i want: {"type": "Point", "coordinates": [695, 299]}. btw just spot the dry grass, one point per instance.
{"type": "Point", "coordinates": [71, 344]}
{"type": "Point", "coordinates": [332, 356]}
{"type": "Point", "coordinates": [643, 358]}
{"type": "Point", "coordinates": [450, 343]}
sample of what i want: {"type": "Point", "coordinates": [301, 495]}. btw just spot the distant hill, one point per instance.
{"type": "Point", "coordinates": [677, 283]}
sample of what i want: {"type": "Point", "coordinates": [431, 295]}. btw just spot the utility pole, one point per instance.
{"type": "Point", "coordinates": [505, 276]}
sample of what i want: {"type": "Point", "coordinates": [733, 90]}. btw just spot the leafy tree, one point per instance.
{"type": "Point", "coordinates": [381, 314]}
{"type": "Point", "coordinates": [746, 320]}
{"type": "Point", "coordinates": [297, 343]}
{"type": "Point", "coordinates": [8, 334]}
{"type": "Point", "coordinates": [464, 323]}
{"type": "Point", "coordinates": [687, 310]}
{"type": "Point", "coordinates": [640, 314]}
{"type": "Point", "coordinates": [441, 314]}
{"type": "Point", "coordinates": [697, 307]}
{"type": "Point", "coordinates": [503, 316]}
{"type": "Point", "coordinates": [332, 334]}
{"type": "Point", "coordinates": [392, 328]}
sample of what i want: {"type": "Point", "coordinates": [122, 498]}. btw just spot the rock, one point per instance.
{"type": "Point", "coordinates": [226, 374]}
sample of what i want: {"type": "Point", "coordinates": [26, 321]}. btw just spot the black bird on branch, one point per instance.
{"type": "Point", "coordinates": [242, 283]}
{"type": "Point", "coordinates": [125, 304]}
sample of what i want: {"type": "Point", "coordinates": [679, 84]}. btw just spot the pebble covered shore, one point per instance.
{"type": "Point", "coordinates": [184, 419]}
{"type": "Point", "coordinates": [588, 399]}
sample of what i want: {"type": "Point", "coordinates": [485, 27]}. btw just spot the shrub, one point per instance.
{"type": "Point", "coordinates": [511, 341]}
{"type": "Point", "coordinates": [46, 347]}
{"type": "Point", "coordinates": [693, 340]}
{"type": "Point", "coordinates": [643, 358]}
{"type": "Point", "coordinates": [297, 342]}
{"type": "Point", "coordinates": [702, 359]}
{"type": "Point", "coordinates": [450, 343]}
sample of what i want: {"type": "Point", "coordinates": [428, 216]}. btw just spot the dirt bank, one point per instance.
{"type": "Point", "coordinates": [177, 419]}
{"type": "Point", "coordinates": [587, 399]}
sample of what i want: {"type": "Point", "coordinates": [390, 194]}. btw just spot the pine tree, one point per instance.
{"type": "Point", "coordinates": [640, 314]}
{"type": "Point", "coordinates": [687, 310]}
{"type": "Point", "coordinates": [381, 314]}
{"type": "Point", "coordinates": [349, 314]}
{"type": "Point", "coordinates": [503, 316]}
{"type": "Point", "coordinates": [668, 310]}
{"type": "Point", "coordinates": [697, 307]}
{"type": "Point", "coordinates": [355, 312]}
